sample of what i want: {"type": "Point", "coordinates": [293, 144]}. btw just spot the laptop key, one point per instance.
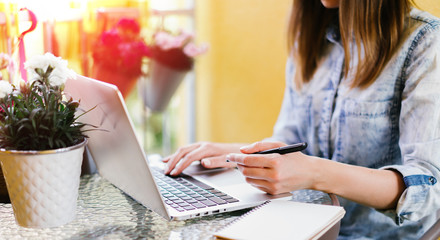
{"type": "Point", "coordinates": [189, 207]}
{"type": "Point", "coordinates": [200, 198]}
{"type": "Point", "coordinates": [231, 200]}
{"type": "Point", "coordinates": [191, 201]}
{"type": "Point", "coordinates": [225, 197]}
{"type": "Point", "coordinates": [167, 195]}
{"type": "Point", "coordinates": [208, 203]}
{"type": "Point", "coordinates": [186, 198]}
{"type": "Point", "coordinates": [217, 200]}
{"type": "Point", "coordinates": [183, 204]}
{"type": "Point", "coordinates": [214, 191]}
{"type": "Point", "coordinates": [206, 194]}
{"type": "Point", "coordinates": [199, 190]}
{"type": "Point", "coordinates": [174, 205]}
{"type": "Point", "coordinates": [198, 205]}
{"type": "Point", "coordinates": [192, 194]}
{"type": "Point", "coordinates": [180, 209]}
{"type": "Point", "coordinates": [187, 191]}
{"type": "Point", "coordinates": [173, 198]}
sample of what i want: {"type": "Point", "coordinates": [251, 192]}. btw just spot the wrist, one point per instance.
{"type": "Point", "coordinates": [320, 173]}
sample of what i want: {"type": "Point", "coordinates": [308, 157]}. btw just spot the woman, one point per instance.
{"type": "Point", "coordinates": [363, 89]}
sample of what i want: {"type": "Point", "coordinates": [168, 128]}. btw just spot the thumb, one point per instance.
{"type": "Point", "coordinates": [216, 162]}
{"type": "Point", "coordinates": [260, 146]}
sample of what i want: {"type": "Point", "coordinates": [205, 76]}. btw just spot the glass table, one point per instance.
{"type": "Point", "coordinates": [105, 212]}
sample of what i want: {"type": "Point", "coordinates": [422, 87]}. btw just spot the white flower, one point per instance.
{"type": "Point", "coordinates": [5, 88]}
{"type": "Point", "coordinates": [60, 71]}
{"type": "Point", "coordinates": [40, 61]}
{"type": "Point", "coordinates": [58, 77]}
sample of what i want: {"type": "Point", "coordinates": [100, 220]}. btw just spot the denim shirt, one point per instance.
{"type": "Point", "coordinates": [392, 124]}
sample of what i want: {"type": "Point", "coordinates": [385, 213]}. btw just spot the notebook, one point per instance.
{"type": "Point", "coordinates": [283, 220]}
{"type": "Point", "coordinates": [120, 158]}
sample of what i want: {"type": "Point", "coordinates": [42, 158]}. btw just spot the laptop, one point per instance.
{"type": "Point", "coordinates": [120, 158]}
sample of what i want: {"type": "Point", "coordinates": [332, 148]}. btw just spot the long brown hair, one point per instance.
{"type": "Point", "coordinates": [375, 26]}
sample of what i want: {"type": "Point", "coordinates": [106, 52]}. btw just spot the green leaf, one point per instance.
{"type": "Point", "coordinates": [39, 71]}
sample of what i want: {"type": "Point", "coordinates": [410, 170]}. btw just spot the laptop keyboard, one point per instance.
{"type": "Point", "coordinates": [187, 193]}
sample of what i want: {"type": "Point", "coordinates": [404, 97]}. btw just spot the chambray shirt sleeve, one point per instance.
{"type": "Point", "coordinates": [419, 127]}
{"type": "Point", "coordinates": [283, 129]}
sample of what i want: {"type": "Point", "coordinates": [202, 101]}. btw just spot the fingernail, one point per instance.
{"type": "Point", "coordinates": [206, 162]}
{"type": "Point", "coordinates": [166, 169]}
{"type": "Point", "coordinates": [173, 172]}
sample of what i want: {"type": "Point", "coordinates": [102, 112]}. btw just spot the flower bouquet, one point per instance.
{"type": "Point", "coordinates": [118, 55]}
{"type": "Point", "coordinates": [172, 56]}
{"type": "Point", "coordinates": [41, 144]}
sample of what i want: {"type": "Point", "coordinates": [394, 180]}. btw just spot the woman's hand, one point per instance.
{"type": "Point", "coordinates": [274, 173]}
{"type": "Point", "coordinates": [211, 155]}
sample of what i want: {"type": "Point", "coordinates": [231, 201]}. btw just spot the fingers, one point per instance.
{"type": "Point", "coordinates": [178, 157]}
{"type": "Point", "coordinates": [256, 160]}
{"type": "Point", "coordinates": [210, 154]}
{"type": "Point", "coordinates": [266, 186]}
{"type": "Point", "coordinates": [260, 146]}
{"type": "Point", "coordinates": [217, 162]}
{"type": "Point", "coordinates": [181, 152]}
{"type": "Point", "coordinates": [266, 179]}
{"type": "Point", "coordinates": [255, 172]}
{"type": "Point", "coordinates": [194, 154]}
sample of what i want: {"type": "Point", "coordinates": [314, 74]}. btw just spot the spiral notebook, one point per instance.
{"type": "Point", "coordinates": [283, 220]}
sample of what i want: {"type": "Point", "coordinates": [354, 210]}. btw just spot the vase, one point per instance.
{"type": "Point", "coordinates": [160, 85]}
{"type": "Point", "coordinates": [43, 185]}
{"type": "Point", "coordinates": [124, 82]}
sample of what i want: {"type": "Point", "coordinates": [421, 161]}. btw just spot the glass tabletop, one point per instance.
{"type": "Point", "coordinates": [105, 212]}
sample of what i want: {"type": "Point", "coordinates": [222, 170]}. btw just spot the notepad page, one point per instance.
{"type": "Point", "coordinates": [283, 220]}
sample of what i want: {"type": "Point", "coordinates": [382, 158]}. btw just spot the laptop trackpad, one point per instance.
{"type": "Point", "coordinates": [232, 182]}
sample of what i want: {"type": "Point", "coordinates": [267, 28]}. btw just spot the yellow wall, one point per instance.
{"type": "Point", "coordinates": [432, 6]}
{"type": "Point", "coordinates": [240, 82]}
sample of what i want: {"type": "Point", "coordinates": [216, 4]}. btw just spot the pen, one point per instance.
{"type": "Point", "coordinates": [286, 149]}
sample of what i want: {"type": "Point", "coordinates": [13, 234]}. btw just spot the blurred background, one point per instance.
{"type": "Point", "coordinates": [231, 93]}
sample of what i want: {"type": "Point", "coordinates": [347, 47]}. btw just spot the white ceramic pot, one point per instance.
{"type": "Point", "coordinates": [43, 185]}
{"type": "Point", "coordinates": [161, 84]}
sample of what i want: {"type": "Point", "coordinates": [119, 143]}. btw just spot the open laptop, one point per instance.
{"type": "Point", "coordinates": [120, 159]}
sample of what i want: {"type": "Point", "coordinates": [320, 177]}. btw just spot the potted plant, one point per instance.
{"type": "Point", "coordinates": [41, 144]}
{"type": "Point", "coordinates": [172, 56]}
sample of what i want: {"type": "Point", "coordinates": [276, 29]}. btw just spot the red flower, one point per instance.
{"type": "Point", "coordinates": [121, 49]}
